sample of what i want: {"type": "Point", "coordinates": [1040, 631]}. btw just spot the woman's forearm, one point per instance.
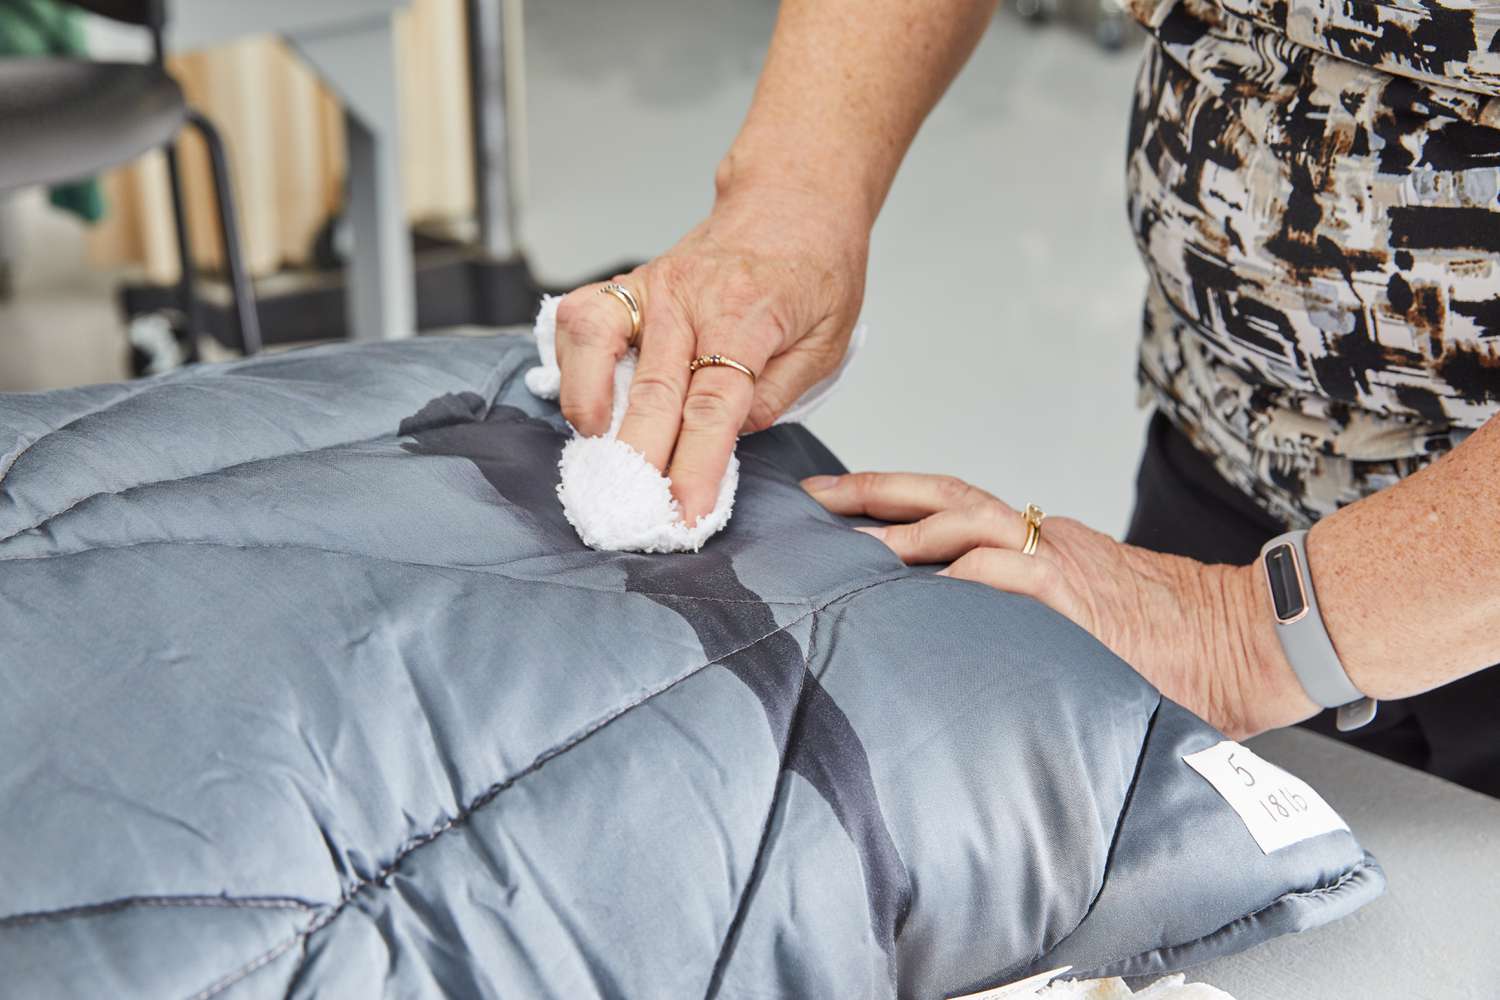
{"type": "Point", "coordinates": [845, 87]}
{"type": "Point", "coordinates": [1408, 579]}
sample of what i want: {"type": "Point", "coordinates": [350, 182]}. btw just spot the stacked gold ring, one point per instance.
{"type": "Point", "coordinates": [719, 361]}
{"type": "Point", "coordinates": [1033, 516]}
{"type": "Point", "coordinates": [628, 299]}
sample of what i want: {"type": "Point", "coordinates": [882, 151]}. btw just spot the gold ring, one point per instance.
{"type": "Point", "coordinates": [1033, 516]}
{"type": "Point", "coordinates": [624, 294]}
{"type": "Point", "coordinates": [719, 361]}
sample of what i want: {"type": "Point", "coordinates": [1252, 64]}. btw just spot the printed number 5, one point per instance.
{"type": "Point", "coordinates": [1243, 772]}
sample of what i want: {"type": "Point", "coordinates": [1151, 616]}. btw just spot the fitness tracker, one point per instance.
{"type": "Point", "coordinates": [1303, 636]}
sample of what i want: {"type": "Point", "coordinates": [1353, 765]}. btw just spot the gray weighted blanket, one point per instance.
{"type": "Point", "coordinates": [308, 689]}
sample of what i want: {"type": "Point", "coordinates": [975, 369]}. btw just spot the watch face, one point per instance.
{"type": "Point", "coordinates": [1284, 575]}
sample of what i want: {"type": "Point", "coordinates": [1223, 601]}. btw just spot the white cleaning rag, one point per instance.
{"type": "Point", "coordinates": [612, 496]}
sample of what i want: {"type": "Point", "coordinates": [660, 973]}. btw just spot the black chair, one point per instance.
{"type": "Point", "coordinates": [61, 119]}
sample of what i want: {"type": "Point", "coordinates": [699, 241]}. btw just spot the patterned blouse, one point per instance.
{"type": "Point", "coordinates": [1315, 189]}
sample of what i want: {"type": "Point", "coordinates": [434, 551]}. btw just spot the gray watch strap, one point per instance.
{"type": "Point", "coordinates": [1305, 641]}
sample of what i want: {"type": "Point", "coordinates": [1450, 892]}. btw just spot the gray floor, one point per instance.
{"type": "Point", "coordinates": [1004, 289]}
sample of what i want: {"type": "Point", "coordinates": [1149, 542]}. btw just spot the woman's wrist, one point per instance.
{"type": "Point", "coordinates": [795, 221]}
{"type": "Point", "coordinates": [1268, 687]}
{"type": "Point", "coordinates": [827, 191]}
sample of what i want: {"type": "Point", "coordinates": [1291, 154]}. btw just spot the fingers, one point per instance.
{"type": "Point", "coordinates": [951, 520]}
{"type": "Point", "coordinates": [786, 378]}
{"type": "Point", "coordinates": [592, 331]}
{"type": "Point", "coordinates": [948, 534]}
{"type": "Point", "coordinates": [893, 496]}
{"type": "Point", "coordinates": [717, 403]}
{"type": "Point", "coordinates": [654, 412]}
{"type": "Point", "coordinates": [774, 393]}
{"type": "Point", "coordinates": [1030, 576]}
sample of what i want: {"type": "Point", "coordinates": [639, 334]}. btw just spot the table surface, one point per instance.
{"type": "Point", "coordinates": [1432, 936]}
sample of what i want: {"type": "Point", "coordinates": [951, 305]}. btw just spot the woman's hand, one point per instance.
{"type": "Point", "coordinates": [1202, 634]}
{"type": "Point", "coordinates": [773, 279]}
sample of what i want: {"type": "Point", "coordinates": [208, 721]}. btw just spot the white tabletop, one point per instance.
{"type": "Point", "coordinates": [1434, 935]}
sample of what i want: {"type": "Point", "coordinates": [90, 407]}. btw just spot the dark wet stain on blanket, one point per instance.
{"type": "Point", "coordinates": [518, 454]}
{"type": "Point", "coordinates": [817, 738]}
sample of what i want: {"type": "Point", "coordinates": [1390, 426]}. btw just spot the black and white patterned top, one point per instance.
{"type": "Point", "coordinates": [1315, 189]}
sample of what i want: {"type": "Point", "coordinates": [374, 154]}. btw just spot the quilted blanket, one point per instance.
{"type": "Point", "coordinates": [307, 688]}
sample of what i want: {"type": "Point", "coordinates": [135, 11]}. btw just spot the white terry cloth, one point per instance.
{"type": "Point", "coordinates": [611, 495]}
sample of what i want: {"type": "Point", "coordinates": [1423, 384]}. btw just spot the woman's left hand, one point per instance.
{"type": "Point", "coordinates": [1202, 634]}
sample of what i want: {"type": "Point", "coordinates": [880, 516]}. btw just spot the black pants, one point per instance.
{"type": "Point", "coordinates": [1183, 506]}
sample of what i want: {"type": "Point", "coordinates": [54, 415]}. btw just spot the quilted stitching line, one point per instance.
{"type": "Point", "coordinates": [291, 983]}
{"type": "Point", "coordinates": [258, 962]}
{"type": "Point", "coordinates": [218, 470]}
{"type": "Point", "coordinates": [205, 474]}
{"type": "Point", "coordinates": [494, 571]}
{"type": "Point", "coordinates": [1114, 841]}
{"type": "Point", "coordinates": [123, 398]}
{"type": "Point", "coordinates": [489, 795]}
{"type": "Point", "coordinates": [742, 905]}
{"type": "Point", "coordinates": [132, 902]}
{"type": "Point", "coordinates": [484, 798]}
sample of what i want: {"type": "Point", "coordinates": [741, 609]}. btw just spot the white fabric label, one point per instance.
{"type": "Point", "coordinates": [1278, 808]}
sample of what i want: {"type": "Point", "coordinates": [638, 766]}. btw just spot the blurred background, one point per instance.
{"type": "Point", "coordinates": [1004, 290]}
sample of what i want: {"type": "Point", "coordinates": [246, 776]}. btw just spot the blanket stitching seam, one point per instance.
{"type": "Point", "coordinates": [475, 570]}
{"type": "Point", "coordinates": [1114, 839]}
{"type": "Point", "coordinates": [125, 398]}
{"type": "Point", "coordinates": [736, 919]}
{"type": "Point", "coordinates": [291, 983]}
{"type": "Point", "coordinates": [489, 795]}
{"type": "Point", "coordinates": [489, 406]}
{"type": "Point", "coordinates": [129, 902]}
{"type": "Point", "coordinates": [258, 962]}
{"type": "Point", "coordinates": [205, 474]}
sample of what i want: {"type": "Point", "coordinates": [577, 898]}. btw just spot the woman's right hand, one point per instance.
{"type": "Point", "coordinates": [773, 278]}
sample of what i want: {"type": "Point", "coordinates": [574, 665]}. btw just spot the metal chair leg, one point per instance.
{"type": "Point", "coordinates": [187, 296]}
{"type": "Point", "coordinates": [229, 229]}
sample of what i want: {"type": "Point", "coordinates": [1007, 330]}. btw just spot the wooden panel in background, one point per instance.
{"type": "Point", "coordinates": [285, 134]}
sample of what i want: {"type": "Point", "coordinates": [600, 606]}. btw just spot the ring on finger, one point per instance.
{"type": "Point", "coordinates": [628, 299]}
{"type": "Point", "coordinates": [1033, 516]}
{"type": "Point", "coordinates": [719, 361]}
